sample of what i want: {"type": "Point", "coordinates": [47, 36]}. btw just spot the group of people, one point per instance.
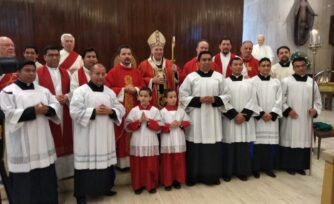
{"type": "Point", "coordinates": [219, 116]}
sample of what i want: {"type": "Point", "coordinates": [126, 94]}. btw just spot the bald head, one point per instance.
{"type": "Point", "coordinates": [7, 48]}
{"type": "Point", "coordinates": [246, 49]}
{"type": "Point", "coordinates": [202, 45]}
{"type": "Point", "coordinates": [97, 74]}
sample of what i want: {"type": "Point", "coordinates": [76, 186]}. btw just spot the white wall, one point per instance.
{"type": "Point", "coordinates": [274, 18]}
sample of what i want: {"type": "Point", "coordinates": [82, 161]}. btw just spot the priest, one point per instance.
{"type": "Point", "coordinates": [202, 94]}
{"type": "Point", "coordinates": [283, 68]}
{"type": "Point", "coordinates": [30, 148]}
{"type": "Point", "coordinates": [297, 128]}
{"type": "Point", "coordinates": [69, 59]}
{"type": "Point", "coordinates": [158, 72]}
{"type": "Point", "coordinates": [250, 64]}
{"type": "Point", "coordinates": [94, 110]}
{"type": "Point", "coordinates": [7, 49]}
{"type": "Point", "coordinates": [57, 80]}
{"type": "Point", "coordinates": [125, 80]}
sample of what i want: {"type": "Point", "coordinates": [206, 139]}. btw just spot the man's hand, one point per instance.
{"type": "Point", "coordinates": [266, 117]}
{"type": "Point", "coordinates": [103, 110]}
{"type": "Point", "coordinates": [130, 89]}
{"type": "Point", "coordinates": [239, 119]}
{"type": "Point", "coordinates": [312, 112]}
{"type": "Point", "coordinates": [41, 109]}
{"type": "Point", "coordinates": [174, 124]}
{"type": "Point", "coordinates": [293, 114]}
{"type": "Point", "coordinates": [158, 80]}
{"type": "Point", "coordinates": [207, 99]}
{"type": "Point", "coordinates": [62, 99]}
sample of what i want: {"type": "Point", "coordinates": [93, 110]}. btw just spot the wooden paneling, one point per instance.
{"type": "Point", "coordinates": [105, 25]}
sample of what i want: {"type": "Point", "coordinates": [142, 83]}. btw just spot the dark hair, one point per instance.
{"type": "Point", "coordinates": [265, 59]}
{"type": "Point", "coordinates": [49, 47]}
{"type": "Point", "coordinates": [31, 47]}
{"type": "Point", "coordinates": [167, 91]}
{"type": "Point", "coordinates": [24, 63]}
{"type": "Point", "coordinates": [298, 59]}
{"type": "Point", "coordinates": [225, 38]}
{"type": "Point", "coordinates": [85, 51]}
{"type": "Point", "coordinates": [236, 58]}
{"type": "Point", "coordinates": [282, 47]}
{"type": "Point", "coordinates": [123, 47]}
{"type": "Point", "coordinates": [203, 53]}
{"type": "Point", "coordinates": [146, 89]}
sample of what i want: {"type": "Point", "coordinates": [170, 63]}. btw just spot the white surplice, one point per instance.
{"type": "Point", "coordinates": [206, 121]}
{"type": "Point", "coordinates": [174, 141]}
{"type": "Point", "coordinates": [269, 97]}
{"type": "Point", "coordinates": [144, 142]}
{"type": "Point", "coordinates": [75, 79]}
{"type": "Point", "coordinates": [279, 72]}
{"type": "Point", "coordinates": [243, 96]}
{"type": "Point", "coordinates": [94, 140]}
{"type": "Point", "coordinates": [297, 133]}
{"type": "Point", "coordinates": [76, 64]}
{"type": "Point", "coordinates": [30, 143]}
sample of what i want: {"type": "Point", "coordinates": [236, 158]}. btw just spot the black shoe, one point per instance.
{"type": "Point", "coordinates": [176, 185]}
{"type": "Point", "coordinates": [291, 172]}
{"type": "Point", "coordinates": [189, 183]}
{"type": "Point", "coordinates": [243, 178]}
{"type": "Point", "coordinates": [81, 200]}
{"type": "Point", "coordinates": [227, 178]}
{"type": "Point", "coordinates": [256, 174]}
{"type": "Point", "coordinates": [153, 190]}
{"type": "Point", "coordinates": [111, 193]}
{"type": "Point", "coordinates": [271, 174]}
{"type": "Point", "coordinates": [301, 172]}
{"type": "Point", "coordinates": [168, 188]}
{"type": "Point", "coordinates": [139, 191]}
{"type": "Point", "coordinates": [126, 169]}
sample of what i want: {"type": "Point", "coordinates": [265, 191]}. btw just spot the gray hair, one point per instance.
{"type": "Point", "coordinates": [62, 38]}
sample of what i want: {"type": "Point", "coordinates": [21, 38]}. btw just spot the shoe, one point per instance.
{"type": "Point", "coordinates": [301, 172]}
{"type": "Point", "coordinates": [139, 191]}
{"type": "Point", "coordinates": [227, 178]}
{"type": "Point", "coordinates": [243, 178]}
{"type": "Point", "coordinates": [168, 188]}
{"type": "Point", "coordinates": [176, 185]}
{"type": "Point", "coordinates": [153, 190]}
{"type": "Point", "coordinates": [111, 193]}
{"type": "Point", "coordinates": [81, 200]}
{"type": "Point", "coordinates": [256, 174]}
{"type": "Point", "coordinates": [189, 183]}
{"type": "Point", "coordinates": [291, 172]}
{"type": "Point", "coordinates": [271, 174]}
{"type": "Point", "coordinates": [126, 169]}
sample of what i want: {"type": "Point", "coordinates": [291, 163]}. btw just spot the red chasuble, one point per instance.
{"type": "Point", "coordinates": [68, 62]}
{"type": "Point", "coordinates": [191, 66]}
{"type": "Point", "coordinates": [148, 72]}
{"type": "Point", "coordinates": [219, 65]}
{"type": "Point", "coordinates": [7, 79]}
{"type": "Point", "coordinates": [118, 77]}
{"type": "Point", "coordinates": [252, 66]}
{"type": "Point", "coordinates": [82, 76]}
{"type": "Point", "coordinates": [63, 141]}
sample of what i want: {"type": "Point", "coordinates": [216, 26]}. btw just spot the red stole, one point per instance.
{"type": "Point", "coordinates": [68, 62]}
{"type": "Point", "coordinates": [252, 66]}
{"type": "Point", "coordinates": [219, 65]}
{"type": "Point", "coordinates": [148, 73]}
{"type": "Point", "coordinates": [63, 142]}
{"type": "Point", "coordinates": [82, 76]}
{"type": "Point", "coordinates": [7, 79]}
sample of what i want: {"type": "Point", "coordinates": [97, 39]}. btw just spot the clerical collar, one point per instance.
{"type": "Point", "coordinates": [236, 78]}
{"type": "Point", "coordinates": [284, 64]}
{"type": "Point", "coordinates": [264, 78]}
{"type": "Point", "coordinates": [126, 66]}
{"type": "Point", "coordinates": [203, 74]}
{"type": "Point", "coordinates": [300, 78]}
{"type": "Point", "coordinates": [148, 107]}
{"type": "Point", "coordinates": [158, 63]}
{"type": "Point", "coordinates": [171, 108]}
{"type": "Point", "coordinates": [227, 55]}
{"type": "Point", "coordinates": [94, 87]}
{"type": "Point", "coordinates": [24, 86]}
